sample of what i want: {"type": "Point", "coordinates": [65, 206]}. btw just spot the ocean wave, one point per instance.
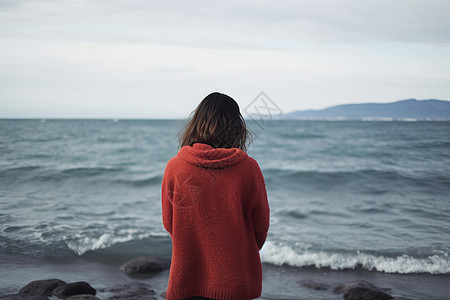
{"type": "Point", "coordinates": [112, 246]}
{"type": "Point", "coordinates": [301, 136]}
{"type": "Point", "coordinates": [98, 174]}
{"type": "Point", "coordinates": [90, 171]}
{"type": "Point", "coordinates": [20, 169]}
{"type": "Point", "coordinates": [279, 254]}
{"type": "Point", "coordinates": [43, 174]}
{"type": "Point", "coordinates": [80, 244]}
{"type": "Point", "coordinates": [369, 180]}
{"type": "Point", "coordinates": [152, 180]}
{"type": "Point", "coordinates": [321, 176]}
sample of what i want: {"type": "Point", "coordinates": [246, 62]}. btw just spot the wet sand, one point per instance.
{"type": "Point", "coordinates": [278, 282]}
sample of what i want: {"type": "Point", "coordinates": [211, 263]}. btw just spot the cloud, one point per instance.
{"type": "Point", "coordinates": [158, 58]}
{"type": "Point", "coordinates": [266, 24]}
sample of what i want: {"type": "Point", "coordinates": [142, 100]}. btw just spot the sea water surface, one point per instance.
{"type": "Point", "coordinates": [344, 195]}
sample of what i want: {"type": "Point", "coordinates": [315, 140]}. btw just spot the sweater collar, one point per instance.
{"type": "Point", "coordinates": [205, 156]}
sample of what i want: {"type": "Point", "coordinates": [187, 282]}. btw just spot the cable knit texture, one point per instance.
{"type": "Point", "coordinates": [214, 205]}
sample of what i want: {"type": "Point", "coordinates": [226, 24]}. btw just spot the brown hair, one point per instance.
{"type": "Point", "coordinates": [217, 122]}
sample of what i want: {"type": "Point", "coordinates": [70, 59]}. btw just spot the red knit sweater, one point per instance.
{"type": "Point", "coordinates": [214, 205]}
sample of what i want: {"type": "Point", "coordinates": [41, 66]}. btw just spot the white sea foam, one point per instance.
{"type": "Point", "coordinates": [282, 254]}
{"type": "Point", "coordinates": [81, 244]}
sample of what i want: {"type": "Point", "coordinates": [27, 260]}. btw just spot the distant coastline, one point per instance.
{"type": "Point", "coordinates": [404, 110]}
{"type": "Point", "coordinates": [408, 110]}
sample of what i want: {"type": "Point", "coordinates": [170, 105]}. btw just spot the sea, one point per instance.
{"type": "Point", "coordinates": [349, 200]}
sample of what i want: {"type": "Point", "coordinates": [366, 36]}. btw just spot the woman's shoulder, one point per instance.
{"type": "Point", "coordinates": [250, 161]}
{"type": "Point", "coordinates": [173, 163]}
{"type": "Point", "coordinates": [251, 165]}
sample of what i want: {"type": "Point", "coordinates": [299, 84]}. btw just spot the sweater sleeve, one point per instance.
{"type": "Point", "coordinates": [166, 201]}
{"type": "Point", "coordinates": [261, 214]}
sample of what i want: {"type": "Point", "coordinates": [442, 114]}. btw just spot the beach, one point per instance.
{"type": "Point", "coordinates": [279, 282]}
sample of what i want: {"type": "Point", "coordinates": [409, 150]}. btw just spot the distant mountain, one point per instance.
{"type": "Point", "coordinates": [406, 109]}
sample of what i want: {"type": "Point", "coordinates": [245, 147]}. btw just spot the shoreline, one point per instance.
{"type": "Point", "coordinates": [279, 282]}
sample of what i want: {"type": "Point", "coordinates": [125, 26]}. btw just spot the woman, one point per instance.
{"type": "Point", "coordinates": [214, 205]}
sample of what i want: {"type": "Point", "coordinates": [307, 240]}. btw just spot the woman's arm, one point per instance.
{"type": "Point", "coordinates": [261, 215]}
{"type": "Point", "coordinates": [166, 201]}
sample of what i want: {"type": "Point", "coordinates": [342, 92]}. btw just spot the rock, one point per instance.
{"type": "Point", "coordinates": [36, 290]}
{"type": "Point", "coordinates": [131, 291]}
{"type": "Point", "coordinates": [23, 297]}
{"type": "Point", "coordinates": [83, 297]}
{"type": "Point", "coordinates": [72, 289]}
{"type": "Point", "coordinates": [40, 288]}
{"type": "Point", "coordinates": [361, 290]}
{"type": "Point", "coordinates": [313, 285]}
{"type": "Point", "coordinates": [364, 293]}
{"type": "Point", "coordinates": [144, 265]}
{"type": "Point", "coordinates": [10, 297]}
{"type": "Point", "coordinates": [140, 297]}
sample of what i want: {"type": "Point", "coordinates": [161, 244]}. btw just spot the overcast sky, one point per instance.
{"type": "Point", "coordinates": [159, 59]}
